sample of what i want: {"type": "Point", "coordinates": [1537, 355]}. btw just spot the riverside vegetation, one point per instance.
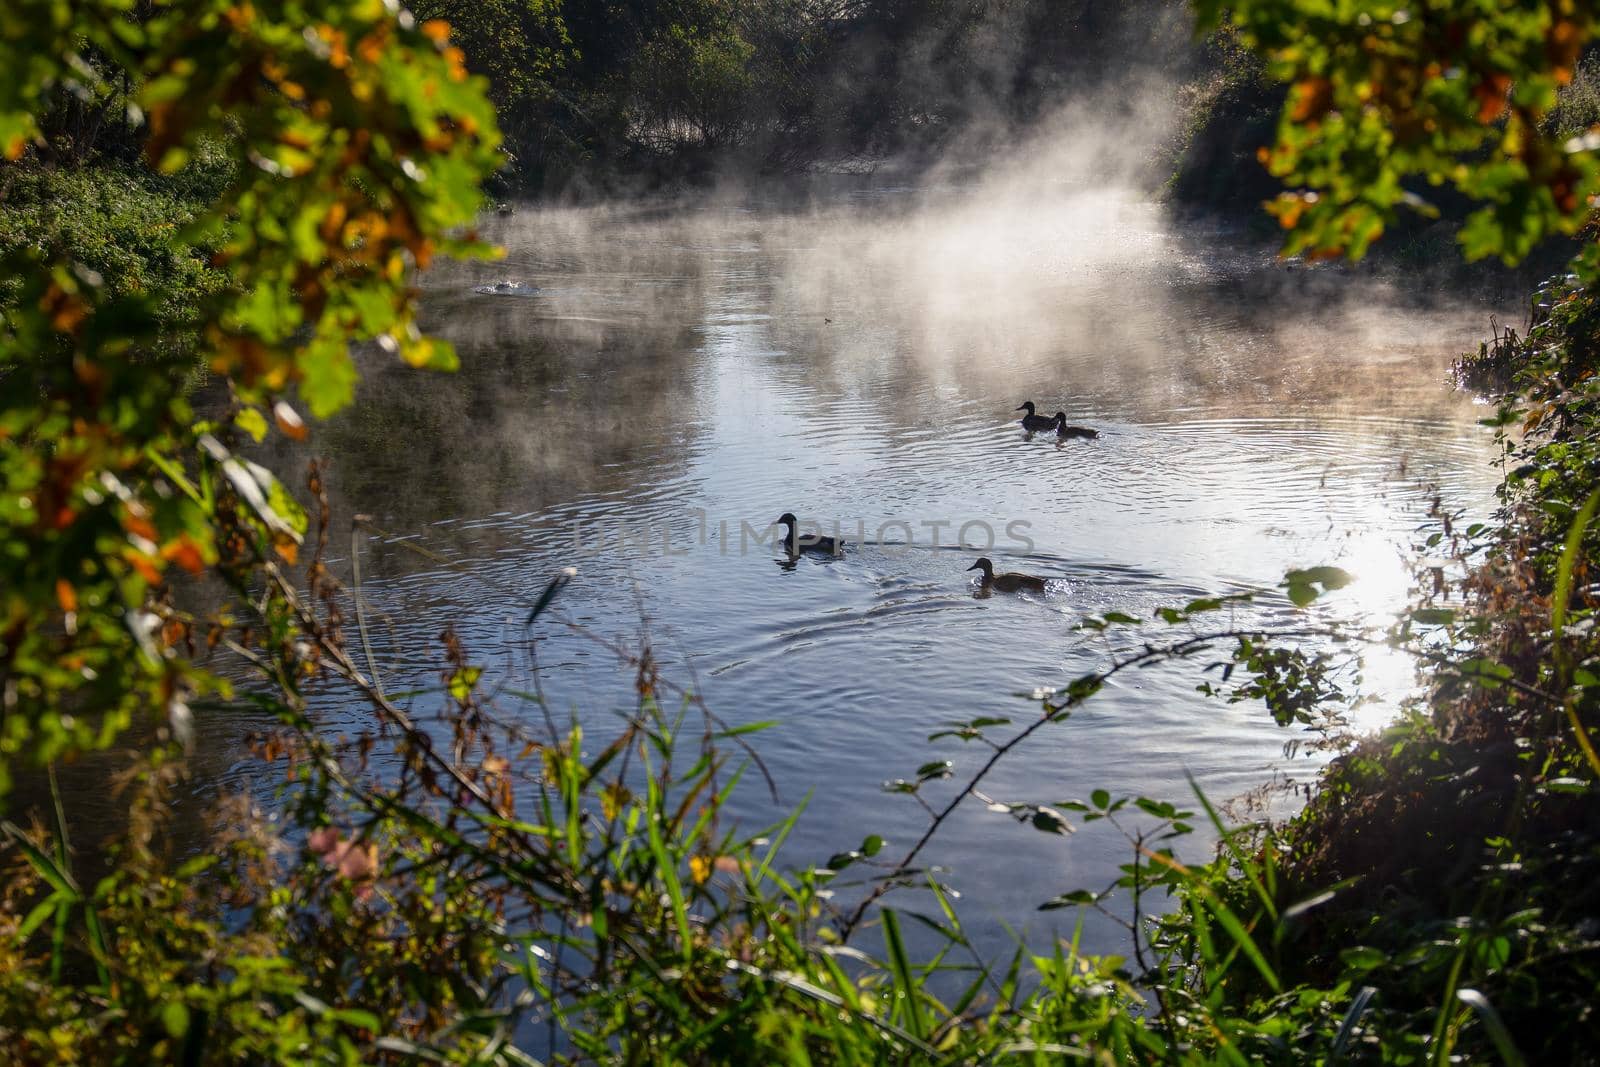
{"type": "Point", "coordinates": [487, 884]}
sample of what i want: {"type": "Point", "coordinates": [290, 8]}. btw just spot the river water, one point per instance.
{"type": "Point", "coordinates": [644, 381]}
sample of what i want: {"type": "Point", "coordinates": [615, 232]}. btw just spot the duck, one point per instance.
{"type": "Point", "coordinates": [1031, 422]}
{"type": "Point", "coordinates": [1006, 583]}
{"type": "Point", "coordinates": [794, 544]}
{"type": "Point", "coordinates": [1065, 432]}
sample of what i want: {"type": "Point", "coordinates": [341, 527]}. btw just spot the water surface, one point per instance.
{"type": "Point", "coordinates": [636, 380]}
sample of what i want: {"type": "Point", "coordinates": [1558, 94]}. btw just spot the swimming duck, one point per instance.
{"type": "Point", "coordinates": [794, 544]}
{"type": "Point", "coordinates": [1031, 422]}
{"type": "Point", "coordinates": [1064, 431]}
{"type": "Point", "coordinates": [1006, 583]}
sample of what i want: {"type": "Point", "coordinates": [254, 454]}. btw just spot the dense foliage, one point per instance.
{"type": "Point", "coordinates": [355, 145]}
{"type": "Point", "coordinates": [1388, 100]}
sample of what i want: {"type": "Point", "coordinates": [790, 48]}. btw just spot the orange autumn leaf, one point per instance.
{"type": "Point", "coordinates": [333, 221]}
{"type": "Point", "coordinates": [185, 553]}
{"type": "Point", "coordinates": [89, 375]}
{"type": "Point", "coordinates": [173, 631]}
{"type": "Point", "coordinates": [66, 310]}
{"type": "Point", "coordinates": [1491, 95]}
{"type": "Point", "coordinates": [1311, 99]}
{"type": "Point", "coordinates": [1288, 207]}
{"type": "Point", "coordinates": [289, 421]}
{"type": "Point", "coordinates": [457, 60]}
{"type": "Point", "coordinates": [1563, 46]}
{"type": "Point", "coordinates": [140, 526]}
{"type": "Point", "coordinates": [141, 563]}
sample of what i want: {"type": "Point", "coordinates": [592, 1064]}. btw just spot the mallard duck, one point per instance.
{"type": "Point", "coordinates": [1006, 583]}
{"type": "Point", "coordinates": [1064, 431]}
{"type": "Point", "coordinates": [1031, 422]}
{"type": "Point", "coordinates": [794, 544]}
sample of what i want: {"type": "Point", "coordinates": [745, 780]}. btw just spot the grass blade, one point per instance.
{"type": "Point", "coordinates": [900, 968]}
{"type": "Point", "coordinates": [1491, 1020]}
{"type": "Point", "coordinates": [1352, 1017]}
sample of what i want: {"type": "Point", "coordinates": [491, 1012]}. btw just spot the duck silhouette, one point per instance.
{"type": "Point", "coordinates": [794, 544]}
{"type": "Point", "coordinates": [1066, 432]}
{"type": "Point", "coordinates": [1031, 422]}
{"type": "Point", "coordinates": [1006, 583]}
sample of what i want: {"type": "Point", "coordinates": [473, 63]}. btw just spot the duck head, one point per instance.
{"type": "Point", "coordinates": [1027, 405]}
{"type": "Point", "coordinates": [985, 566]}
{"type": "Point", "coordinates": [786, 519]}
{"type": "Point", "coordinates": [1061, 419]}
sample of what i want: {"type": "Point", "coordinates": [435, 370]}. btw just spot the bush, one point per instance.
{"type": "Point", "coordinates": [126, 225]}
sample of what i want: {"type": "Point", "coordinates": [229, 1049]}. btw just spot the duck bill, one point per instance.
{"type": "Point", "coordinates": [975, 567]}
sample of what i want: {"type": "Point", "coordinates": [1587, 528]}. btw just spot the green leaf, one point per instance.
{"type": "Point", "coordinates": [1075, 898]}
{"type": "Point", "coordinates": [252, 422]}
{"type": "Point", "coordinates": [1050, 821]}
{"type": "Point", "coordinates": [463, 681]}
{"type": "Point", "coordinates": [1328, 577]}
{"type": "Point", "coordinates": [40, 912]}
{"type": "Point", "coordinates": [430, 353]}
{"type": "Point", "coordinates": [1302, 593]}
{"type": "Point", "coordinates": [363, 1020]}
{"type": "Point", "coordinates": [1081, 689]}
{"type": "Point", "coordinates": [1301, 585]}
{"type": "Point", "coordinates": [1160, 809]}
{"type": "Point", "coordinates": [283, 502]}
{"type": "Point", "coordinates": [175, 1017]}
{"type": "Point", "coordinates": [327, 376]}
{"type": "Point", "coordinates": [1362, 958]}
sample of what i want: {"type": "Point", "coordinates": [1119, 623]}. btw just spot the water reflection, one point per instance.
{"type": "Point", "coordinates": [670, 379]}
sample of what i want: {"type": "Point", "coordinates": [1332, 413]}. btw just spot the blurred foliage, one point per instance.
{"type": "Point", "coordinates": [317, 159]}
{"type": "Point", "coordinates": [1388, 99]}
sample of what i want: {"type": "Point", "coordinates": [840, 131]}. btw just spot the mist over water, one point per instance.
{"type": "Point", "coordinates": [856, 359]}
